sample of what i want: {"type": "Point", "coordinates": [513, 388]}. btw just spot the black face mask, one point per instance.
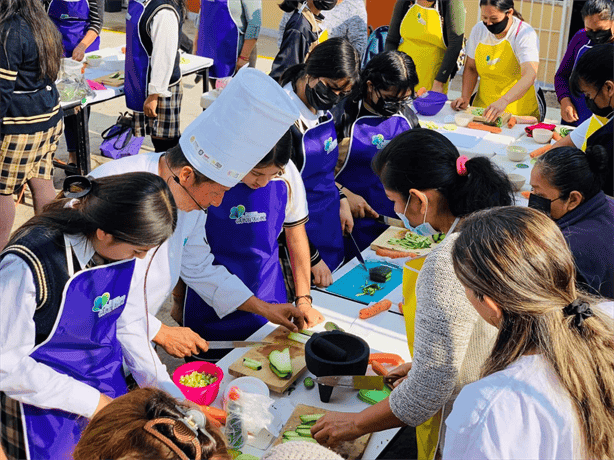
{"type": "Point", "coordinates": [324, 5]}
{"type": "Point", "coordinates": [321, 97]}
{"type": "Point", "coordinates": [387, 108]}
{"type": "Point", "coordinates": [498, 27]}
{"type": "Point", "coordinates": [541, 204]}
{"type": "Point", "coordinates": [593, 107]}
{"type": "Point", "coordinates": [599, 37]}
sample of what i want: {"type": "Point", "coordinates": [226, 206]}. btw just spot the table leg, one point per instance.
{"type": "Point", "coordinates": [83, 142]}
{"type": "Point", "coordinates": [205, 75]}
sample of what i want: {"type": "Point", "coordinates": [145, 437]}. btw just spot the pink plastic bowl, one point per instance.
{"type": "Point", "coordinates": [205, 395]}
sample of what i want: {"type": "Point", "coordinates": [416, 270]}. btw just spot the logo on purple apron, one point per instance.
{"type": "Point", "coordinates": [379, 141]}
{"type": "Point", "coordinates": [330, 144]}
{"type": "Point", "coordinates": [238, 214]}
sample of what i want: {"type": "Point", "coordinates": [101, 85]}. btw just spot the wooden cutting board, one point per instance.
{"type": "Point", "coordinates": [275, 384]}
{"type": "Point", "coordinates": [108, 81]}
{"type": "Point", "coordinates": [395, 232]}
{"type": "Point", "coordinates": [505, 116]}
{"type": "Point", "coordinates": [349, 450]}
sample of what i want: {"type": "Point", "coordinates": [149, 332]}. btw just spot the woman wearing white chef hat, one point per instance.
{"type": "Point", "coordinates": [214, 153]}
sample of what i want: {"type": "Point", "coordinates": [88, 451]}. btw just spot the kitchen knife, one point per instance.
{"type": "Point", "coordinates": [214, 345]}
{"type": "Point", "coordinates": [359, 256]}
{"type": "Point", "coordinates": [357, 382]}
{"type": "Point", "coordinates": [391, 221]}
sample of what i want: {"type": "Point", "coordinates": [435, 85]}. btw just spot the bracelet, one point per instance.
{"type": "Point", "coordinates": [308, 297]}
{"type": "Point", "coordinates": [243, 58]}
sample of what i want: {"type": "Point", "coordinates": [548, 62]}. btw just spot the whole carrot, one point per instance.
{"type": "Point", "coordinates": [540, 151]}
{"type": "Point", "coordinates": [374, 309]}
{"type": "Point", "coordinates": [490, 129]}
{"type": "Point", "coordinates": [556, 136]}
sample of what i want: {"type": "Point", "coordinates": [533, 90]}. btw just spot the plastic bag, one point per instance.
{"type": "Point", "coordinates": [254, 409]}
{"type": "Point", "coordinates": [74, 89]}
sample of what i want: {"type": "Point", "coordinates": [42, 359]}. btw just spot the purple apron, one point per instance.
{"type": "Point", "coordinates": [82, 345]}
{"type": "Point", "coordinates": [321, 152]}
{"type": "Point", "coordinates": [369, 135]}
{"type": "Point", "coordinates": [579, 103]}
{"type": "Point", "coordinates": [137, 59]}
{"type": "Point", "coordinates": [218, 37]}
{"type": "Point", "coordinates": [72, 20]}
{"type": "Point", "coordinates": [242, 233]}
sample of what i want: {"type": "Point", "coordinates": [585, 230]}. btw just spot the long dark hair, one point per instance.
{"type": "Point", "coordinates": [390, 69]}
{"type": "Point", "coordinates": [595, 67]}
{"type": "Point", "coordinates": [425, 159]}
{"type": "Point", "coordinates": [290, 5]}
{"type": "Point", "coordinates": [603, 8]}
{"type": "Point", "coordinates": [503, 6]}
{"type": "Point", "coordinates": [569, 168]}
{"type": "Point", "coordinates": [136, 208]}
{"type": "Point", "coordinates": [48, 39]}
{"type": "Point", "coordinates": [334, 58]}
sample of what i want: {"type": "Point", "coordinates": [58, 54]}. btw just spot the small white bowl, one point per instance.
{"type": "Point", "coordinates": [248, 385]}
{"type": "Point", "coordinates": [542, 136]}
{"type": "Point", "coordinates": [463, 119]}
{"type": "Point", "coordinates": [516, 152]}
{"type": "Point", "coordinates": [94, 60]}
{"type": "Point", "coordinates": [517, 181]}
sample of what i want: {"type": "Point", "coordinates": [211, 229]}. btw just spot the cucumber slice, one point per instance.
{"type": "Point", "coordinates": [330, 326]}
{"type": "Point", "coordinates": [279, 374]}
{"type": "Point", "coordinates": [247, 457]}
{"type": "Point", "coordinates": [306, 332]}
{"type": "Point", "coordinates": [304, 427]}
{"type": "Point", "coordinates": [299, 440]}
{"type": "Point", "coordinates": [281, 361]}
{"type": "Point", "coordinates": [291, 434]}
{"type": "Point", "coordinates": [297, 337]}
{"type": "Point", "coordinates": [305, 432]}
{"type": "Point", "coordinates": [252, 364]}
{"type": "Point", "coordinates": [309, 383]}
{"type": "Point", "coordinates": [313, 418]}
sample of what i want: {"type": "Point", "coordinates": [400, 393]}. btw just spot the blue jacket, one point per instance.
{"type": "Point", "coordinates": [589, 231]}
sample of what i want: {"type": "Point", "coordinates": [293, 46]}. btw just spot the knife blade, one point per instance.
{"type": "Point", "coordinates": [359, 256]}
{"type": "Point", "coordinates": [215, 345]}
{"type": "Point", "coordinates": [357, 382]}
{"type": "Point", "coordinates": [391, 221]}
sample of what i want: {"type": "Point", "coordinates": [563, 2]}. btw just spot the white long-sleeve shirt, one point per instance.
{"type": "Point", "coordinates": [164, 30]}
{"type": "Point", "coordinates": [24, 379]}
{"type": "Point", "coordinates": [185, 254]}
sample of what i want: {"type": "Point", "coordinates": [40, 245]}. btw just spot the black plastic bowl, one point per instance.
{"type": "Point", "coordinates": [319, 352]}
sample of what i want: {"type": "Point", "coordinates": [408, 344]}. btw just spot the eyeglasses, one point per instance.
{"type": "Point", "coordinates": [176, 179]}
{"type": "Point", "coordinates": [395, 100]}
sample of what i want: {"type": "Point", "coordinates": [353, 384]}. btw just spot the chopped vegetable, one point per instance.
{"type": "Point", "coordinates": [412, 241]}
{"type": "Point", "coordinates": [280, 363]}
{"type": "Point", "coordinates": [449, 127]}
{"type": "Point", "coordinates": [380, 274]}
{"type": "Point", "coordinates": [374, 309]}
{"type": "Point", "coordinates": [305, 432]}
{"type": "Point", "coordinates": [311, 419]}
{"type": "Point", "coordinates": [481, 127]}
{"type": "Point", "coordinates": [303, 427]}
{"type": "Point", "coordinates": [511, 122]}
{"type": "Point", "coordinates": [197, 379]}
{"type": "Point", "coordinates": [94, 56]}
{"type": "Point", "coordinates": [298, 337]}
{"type": "Point", "coordinates": [309, 383]}
{"type": "Point", "coordinates": [291, 434]}
{"type": "Point", "coordinates": [369, 289]}
{"type": "Point", "coordinates": [330, 326]}
{"type": "Point", "coordinates": [564, 131]}
{"type": "Point", "coordinates": [252, 364]}
{"type": "Point", "coordinates": [540, 151]}
{"type": "Point", "coordinates": [438, 237]}
{"type": "Point", "coordinates": [247, 457]}
{"type": "Point", "coordinates": [429, 125]}
{"type": "Point", "coordinates": [306, 332]}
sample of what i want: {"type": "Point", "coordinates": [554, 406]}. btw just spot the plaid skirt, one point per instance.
{"type": "Point", "coordinates": [11, 429]}
{"type": "Point", "coordinates": [166, 125]}
{"type": "Point", "coordinates": [27, 156]}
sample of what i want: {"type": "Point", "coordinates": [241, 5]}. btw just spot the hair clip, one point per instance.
{"type": "Point", "coordinates": [196, 421]}
{"type": "Point", "coordinates": [580, 309]}
{"type": "Point", "coordinates": [461, 168]}
{"type": "Point", "coordinates": [76, 186]}
{"type": "Point", "coordinates": [181, 432]}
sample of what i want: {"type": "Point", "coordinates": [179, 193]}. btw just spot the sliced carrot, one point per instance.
{"type": "Point", "coordinates": [540, 151]}
{"type": "Point", "coordinates": [421, 91]}
{"type": "Point", "coordinates": [386, 358]}
{"type": "Point", "coordinates": [526, 194]}
{"type": "Point", "coordinates": [374, 309]}
{"type": "Point", "coordinates": [511, 122]}
{"type": "Point", "coordinates": [219, 415]}
{"type": "Point", "coordinates": [556, 136]}
{"type": "Point", "coordinates": [480, 126]}
{"type": "Point", "coordinates": [394, 254]}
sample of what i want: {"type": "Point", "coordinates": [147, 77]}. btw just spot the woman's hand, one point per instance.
{"type": "Point", "coordinates": [102, 403]}
{"type": "Point", "coordinates": [335, 427]}
{"type": "Point", "coordinates": [398, 374]}
{"type": "Point", "coordinates": [568, 110]}
{"type": "Point", "coordinates": [312, 316]}
{"type": "Point", "coordinates": [460, 104]}
{"type": "Point", "coordinates": [322, 276]}
{"type": "Point", "coordinates": [495, 109]}
{"type": "Point", "coordinates": [345, 215]}
{"type": "Point", "coordinates": [79, 52]}
{"type": "Point", "coordinates": [150, 107]}
{"type": "Point", "coordinates": [358, 205]}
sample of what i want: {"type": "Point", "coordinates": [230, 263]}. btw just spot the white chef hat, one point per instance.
{"type": "Point", "coordinates": [243, 124]}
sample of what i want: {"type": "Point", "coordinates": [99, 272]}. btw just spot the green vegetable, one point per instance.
{"type": "Point", "coordinates": [304, 427]}
{"type": "Point", "coordinates": [297, 337]}
{"type": "Point", "coordinates": [369, 289]}
{"type": "Point", "coordinates": [330, 326]}
{"type": "Point", "coordinates": [438, 237]}
{"type": "Point", "coordinates": [197, 379]}
{"type": "Point", "coordinates": [564, 131]}
{"type": "Point", "coordinates": [373, 396]}
{"type": "Point", "coordinates": [280, 363]}
{"type": "Point", "coordinates": [306, 332]}
{"type": "Point", "coordinates": [309, 383]}
{"type": "Point", "coordinates": [412, 241]}
{"type": "Point", "coordinates": [94, 56]}
{"type": "Point", "coordinates": [300, 439]}
{"type": "Point", "coordinates": [291, 434]}
{"type": "Point", "coordinates": [252, 364]}
{"type": "Point", "coordinates": [380, 274]}
{"type": "Point", "coordinates": [305, 432]}
{"type": "Point", "coordinates": [311, 419]}
{"type": "Point", "coordinates": [247, 457]}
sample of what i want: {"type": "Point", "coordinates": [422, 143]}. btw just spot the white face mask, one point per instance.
{"type": "Point", "coordinates": [424, 229]}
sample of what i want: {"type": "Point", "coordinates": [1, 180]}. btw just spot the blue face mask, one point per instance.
{"type": "Point", "coordinates": [424, 229]}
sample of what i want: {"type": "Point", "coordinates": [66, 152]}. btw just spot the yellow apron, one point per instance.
{"type": "Point", "coordinates": [499, 70]}
{"type": "Point", "coordinates": [422, 39]}
{"type": "Point", "coordinates": [596, 122]}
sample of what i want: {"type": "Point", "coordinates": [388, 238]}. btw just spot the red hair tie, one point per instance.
{"type": "Point", "coordinates": [461, 167]}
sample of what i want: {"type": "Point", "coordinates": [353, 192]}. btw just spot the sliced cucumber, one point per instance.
{"type": "Point", "coordinates": [306, 332]}
{"type": "Point", "coordinates": [247, 457]}
{"type": "Point", "coordinates": [252, 364]}
{"type": "Point", "coordinates": [305, 432]}
{"type": "Point", "coordinates": [304, 426]}
{"type": "Point", "coordinates": [291, 434]}
{"type": "Point", "coordinates": [330, 326]}
{"type": "Point", "coordinates": [299, 440]}
{"type": "Point", "coordinates": [279, 374]}
{"type": "Point", "coordinates": [313, 418]}
{"type": "Point", "coordinates": [297, 337]}
{"type": "Point", "coordinates": [281, 363]}
{"type": "Point", "coordinates": [309, 383]}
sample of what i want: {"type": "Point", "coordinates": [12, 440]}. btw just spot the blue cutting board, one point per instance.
{"type": "Point", "coordinates": [350, 284]}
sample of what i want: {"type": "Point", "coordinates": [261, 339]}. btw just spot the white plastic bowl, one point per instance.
{"type": "Point", "coordinates": [516, 152]}
{"type": "Point", "coordinates": [94, 62]}
{"type": "Point", "coordinates": [542, 136]}
{"type": "Point", "coordinates": [463, 119]}
{"type": "Point", "coordinates": [71, 67]}
{"type": "Point", "coordinates": [517, 181]}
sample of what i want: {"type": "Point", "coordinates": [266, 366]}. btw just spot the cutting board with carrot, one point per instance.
{"type": "Point", "coordinates": [478, 116]}
{"type": "Point", "coordinates": [349, 450]}
{"type": "Point", "coordinates": [280, 340]}
{"type": "Point", "coordinates": [112, 79]}
{"type": "Point", "coordinates": [391, 233]}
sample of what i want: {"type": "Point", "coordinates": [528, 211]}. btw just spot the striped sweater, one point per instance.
{"type": "Point", "coordinates": [28, 104]}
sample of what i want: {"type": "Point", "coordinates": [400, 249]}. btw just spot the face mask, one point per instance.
{"type": "Point", "coordinates": [599, 37]}
{"type": "Point", "coordinates": [498, 27]}
{"type": "Point", "coordinates": [424, 229]}
{"type": "Point", "coordinates": [321, 97]}
{"type": "Point", "coordinates": [324, 5]}
{"type": "Point", "coordinates": [593, 107]}
{"type": "Point", "coordinates": [387, 108]}
{"type": "Point", "coordinates": [541, 204]}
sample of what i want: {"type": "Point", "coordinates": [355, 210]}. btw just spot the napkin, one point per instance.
{"type": "Point", "coordinates": [529, 129]}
